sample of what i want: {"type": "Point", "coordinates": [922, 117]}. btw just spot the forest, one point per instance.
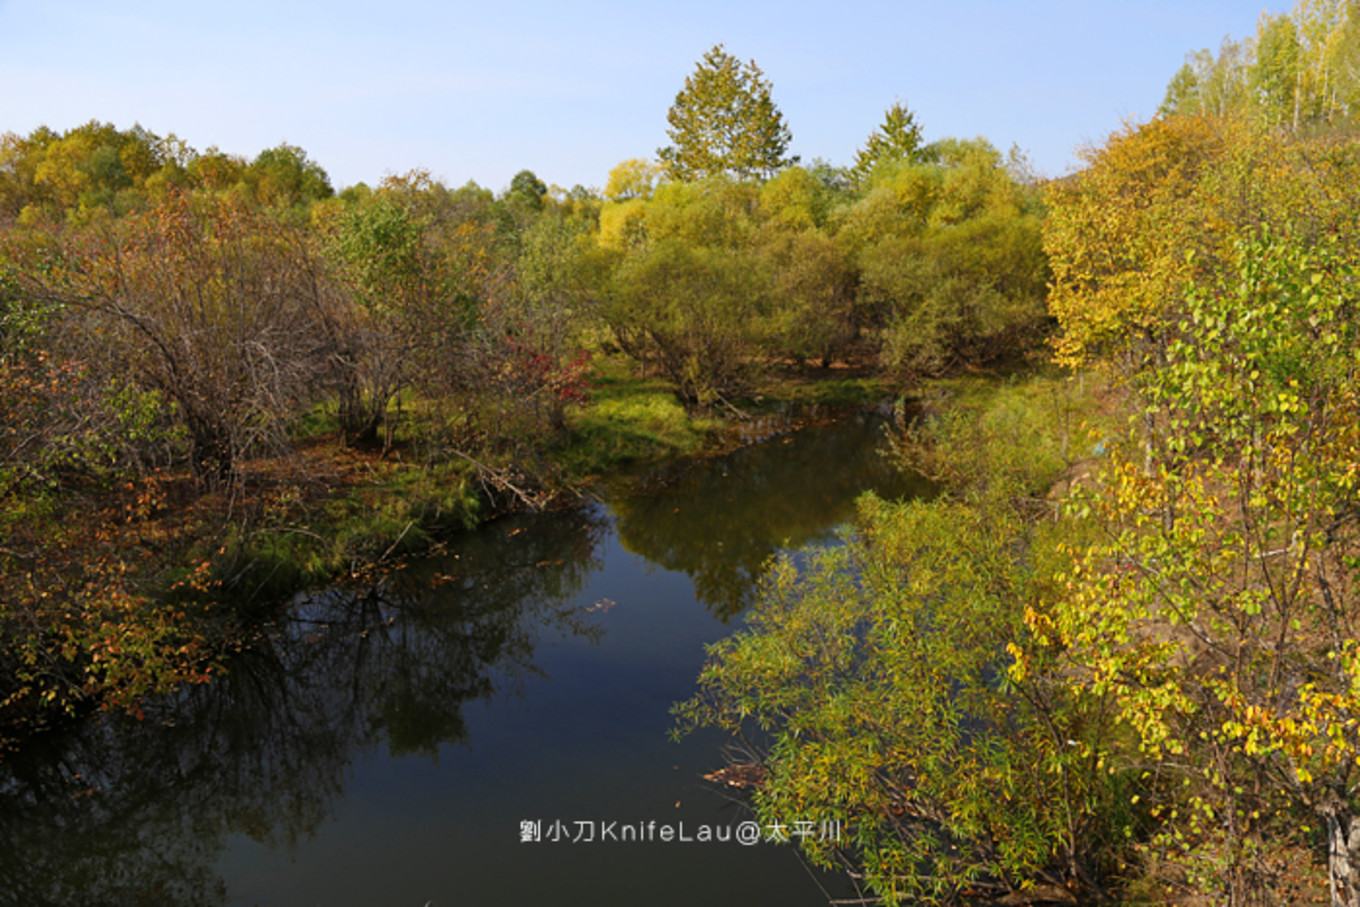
{"type": "Point", "coordinates": [1114, 659]}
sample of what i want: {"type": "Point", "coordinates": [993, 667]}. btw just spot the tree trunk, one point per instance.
{"type": "Point", "coordinates": [1298, 91]}
{"type": "Point", "coordinates": [1343, 853]}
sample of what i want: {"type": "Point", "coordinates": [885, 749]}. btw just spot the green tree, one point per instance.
{"type": "Point", "coordinates": [380, 246]}
{"type": "Point", "coordinates": [724, 122]}
{"type": "Point", "coordinates": [836, 180]}
{"type": "Point", "coordinates": [285, 176]}
{"type": "Point", "coordinates": [950, 258]}
{"type": "Point", "coordinates": [1182, 92]}
{"type": "Point", "coordinates": [528, 190]}
{"type": "Point", "coordinates": [696, 309]}
{"type": "Point", "coordinates": [898, 139]}
{"type": "Point", "coordinates": [813, 298]}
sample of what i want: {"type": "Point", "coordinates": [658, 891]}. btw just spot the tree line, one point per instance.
{"type": "Point", "coordinates": [1299, 71]}
{"type": "Point", "coordinates": [230, 297]}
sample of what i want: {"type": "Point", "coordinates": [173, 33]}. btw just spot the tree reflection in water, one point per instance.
{"type": "Point", "coordinates": [721, 520]}
{"type": "Point", "coordinates": [121, 811]}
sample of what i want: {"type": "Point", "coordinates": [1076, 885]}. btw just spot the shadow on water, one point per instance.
{"type": "Point", "coordinates": [122, 811]}
{"type": "Point", "coordinates": [719, 521]}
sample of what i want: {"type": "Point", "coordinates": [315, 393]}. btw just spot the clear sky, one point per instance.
{"type": "Point", "coordinates": [478, 91]}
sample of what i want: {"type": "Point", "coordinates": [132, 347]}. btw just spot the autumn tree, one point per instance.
{"type": "Point", "coordinates": [1119, 233]}
{"type": "Point", "coordinates": [797, 198]}
{"type": "Point", "coordinates": [724, 122]}
{"type": "Point", "coordinates": [1299, 72]}
{"type": "Point", "coordinates": [216, 170]}
{"type": "Point", "coordinates": [64, 419]}
{"type": "Point", "coordinates": [211, 304]}
{"type": "Point", "coordinates": [1275, 75]}
{"type": "Point", "coordinates": [1210, 84]}
{"type": "Point", "coordinates": [1162, 204]}
{"type": "Point", "coordinates": [1213, 264]}
{"type": "Point", "coordinates": [89, 171]}
{"type": "Point", "coordinates": [1220, 608]}
{"type": "Point", "coordinates": [633, 178]}
{"type": "Point", "coordinates": [520, 364]}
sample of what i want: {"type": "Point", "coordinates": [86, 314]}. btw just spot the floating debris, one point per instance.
{"type": "Point", "coordinates": [739, 776]}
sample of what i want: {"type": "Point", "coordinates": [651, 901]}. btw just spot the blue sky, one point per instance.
{"type": "Point", "coordinates": [478, 91]}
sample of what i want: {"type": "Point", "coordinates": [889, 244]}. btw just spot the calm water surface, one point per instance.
{"type": "Point", "coordinates": [387, 745]}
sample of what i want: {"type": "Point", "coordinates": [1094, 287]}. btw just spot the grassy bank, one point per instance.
{"type": "Point", "coordinates": [629, 419]}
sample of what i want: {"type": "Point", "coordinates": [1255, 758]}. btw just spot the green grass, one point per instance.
{"type": "Point", "coordinates": [318, 421]}
{"type": "Point", "coordinates": [628, 420]}
{"type": "Point", "coordinates": [820, 390]}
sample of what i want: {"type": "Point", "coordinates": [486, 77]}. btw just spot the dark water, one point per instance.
{"type": "Point", "coordinates": [389, 745]}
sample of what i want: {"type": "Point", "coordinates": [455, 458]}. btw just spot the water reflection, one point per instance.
{"type": "Point", "coordinates": [721, 520]}
{"type": "Point", "coordinates": [308, 772]}
{"type": "Point", "coordinates": [120, 811]}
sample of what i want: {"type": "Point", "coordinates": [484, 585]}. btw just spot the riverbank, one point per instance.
{"type": "Point", "coordinates": [524, 671]}
{"type": "Point", "coordinates": [128, 589]}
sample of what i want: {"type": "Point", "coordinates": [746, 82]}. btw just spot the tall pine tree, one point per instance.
{"type": "Point", "coordinates": [899, 138]}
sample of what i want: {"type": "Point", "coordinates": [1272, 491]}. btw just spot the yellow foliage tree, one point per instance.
{"type": "Point", "coordinates": [1125, 234]}
{"type": "Point", "coordinates": [1217, 265]}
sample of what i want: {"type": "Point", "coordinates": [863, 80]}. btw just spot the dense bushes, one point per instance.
{"type": "Point", "coordinates": [872, 679]}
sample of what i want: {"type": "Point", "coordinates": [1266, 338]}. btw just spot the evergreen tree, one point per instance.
{"type": "Point", "coordinates": [724, 123]}
{"type": "Point", "coordinates": [899, 138]}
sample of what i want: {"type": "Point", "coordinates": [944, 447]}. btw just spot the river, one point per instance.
{"type": "Point", "coordinates": [489, 726]}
